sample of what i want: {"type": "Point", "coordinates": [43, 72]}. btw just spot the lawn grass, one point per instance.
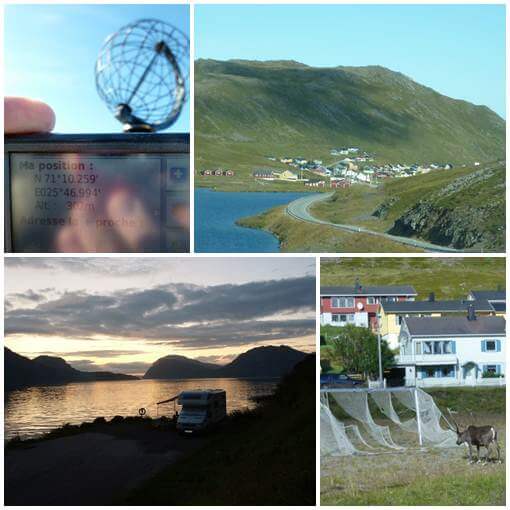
{"type": "Point", "coordinates": [466, 489]}
{"type": "Point", "coordinates": [448, 278]}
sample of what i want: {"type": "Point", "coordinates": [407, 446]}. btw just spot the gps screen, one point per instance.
{"type": "Point", "coordinates": [99, 203]}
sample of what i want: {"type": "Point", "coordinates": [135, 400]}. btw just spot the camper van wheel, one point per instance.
{"type": "Point", "coordinates": [142, 411]}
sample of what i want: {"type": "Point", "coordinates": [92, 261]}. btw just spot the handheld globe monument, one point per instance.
{"type": "Point", "coordinates": [141, 75]}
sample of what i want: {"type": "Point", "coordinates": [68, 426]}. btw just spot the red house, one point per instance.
{"type": "Point", "coordinates": [359, 305]}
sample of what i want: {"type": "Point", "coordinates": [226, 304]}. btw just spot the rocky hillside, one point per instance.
{"type": "Point", "coordinates": [245, 109]}
{"type": "Point", "coordinates": [468, 213]}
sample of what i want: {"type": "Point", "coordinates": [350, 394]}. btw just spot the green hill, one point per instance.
{"type": "Point", "coordinates": [246, 110]}
{"type": "Point", "coordinates": [463, 208]}
{"type": "Point", "coordinates": [448, 278]}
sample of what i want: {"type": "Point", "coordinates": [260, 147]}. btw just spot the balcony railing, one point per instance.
{"type": "Point", "coordinates": [426, 358]}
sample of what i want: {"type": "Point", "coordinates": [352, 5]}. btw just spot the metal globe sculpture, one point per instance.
{"type": "Point", "coordinates": [142, 73]}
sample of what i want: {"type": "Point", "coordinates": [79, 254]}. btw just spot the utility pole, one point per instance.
{"type": "Point", "coordinates": [379, 350]}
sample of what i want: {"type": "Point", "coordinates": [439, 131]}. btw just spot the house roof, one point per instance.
{"type": "Point", "coordinates": [435, 306]}
{"type": "Point", "coordinates": [490, 295]}
{"type": "Point", "coordinates": [380, 290]}
{"type": "Point", "coordinates": [499, 307]}
{"type": "Point", "coordinates": [455, 326]}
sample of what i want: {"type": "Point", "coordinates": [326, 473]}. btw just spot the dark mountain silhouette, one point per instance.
{"type": "Point", "coordinates": [180, 367]}
{"type": "Point", "coordinates": [48, 370]}
{"type": "Point", "coordinates": [269, 361]}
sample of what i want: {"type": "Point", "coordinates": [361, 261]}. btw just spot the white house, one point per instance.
{"type": "Point", "coordinates": [453, 351]}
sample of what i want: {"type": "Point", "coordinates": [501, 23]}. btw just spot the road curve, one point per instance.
{"type": "Point", "coordinates": [300, 210]}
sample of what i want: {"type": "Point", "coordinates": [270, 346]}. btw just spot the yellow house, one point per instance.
{"type": "Point", "coordinates": [392, 313]}
{"type": "Point", "coordinates": [286, 175]}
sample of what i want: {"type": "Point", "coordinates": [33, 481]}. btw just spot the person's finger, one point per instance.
{"type": "Point", "coordinates": [22, 115]}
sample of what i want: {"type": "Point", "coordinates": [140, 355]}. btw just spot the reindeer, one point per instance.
{"type": "Point", "coordinates": [477, 436]}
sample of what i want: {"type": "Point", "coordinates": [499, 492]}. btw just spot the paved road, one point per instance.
{"type": "Point", "coordinates": [300, 209]}
{"type": "Point", "coordinates": [88, 468]}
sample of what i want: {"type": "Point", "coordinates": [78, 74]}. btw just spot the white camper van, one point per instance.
{"type": "Point", "coordinates": [201, 409]}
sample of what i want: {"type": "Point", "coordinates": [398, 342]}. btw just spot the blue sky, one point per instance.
{"type": "Point", "coordinates": [50, 52]}
{"type": "Point", "coordinates": [458, 50]}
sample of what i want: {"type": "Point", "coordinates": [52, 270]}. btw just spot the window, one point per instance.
{"type": "Point", "coordinates": [492, 371]}
{"type": "Point", "coordinates": [342, 318]}
{"type": "Point", "coordinates": [448, 347]}
{"type": "Point", "coordinates": [436, 372]}
{"type": "Point", "coordinates": [342, 302]}
{"type": "Point", "coordinates": [398, 320]}
{"type": "Point", "coordinates": [371, 301]}
{"type": "Point", "coordinates": [491, 345]}
{"type": "Point", "coordinates": [437, 347]}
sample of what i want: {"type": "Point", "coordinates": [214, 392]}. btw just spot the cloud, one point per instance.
{"type": "Point", "coordinates": [183, 315]}
{"type": "Point", "coordinates": [96, 265]}
{"type": "Point", "coordinates": [129, 367]}
{"type": "Point", "coordinates": [94, 354]}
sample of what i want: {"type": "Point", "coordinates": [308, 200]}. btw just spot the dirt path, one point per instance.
{"type": "Point", "coordinates": [86, 469]}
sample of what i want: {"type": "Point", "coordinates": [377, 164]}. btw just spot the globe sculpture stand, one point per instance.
{"type": "Point", "coordinates": [141, 75]}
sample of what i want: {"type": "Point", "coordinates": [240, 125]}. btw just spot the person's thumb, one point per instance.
{"type": "Point", "coordinates": [22, 115]}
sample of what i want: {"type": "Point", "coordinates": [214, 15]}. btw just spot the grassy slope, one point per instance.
{"type": "Point", "coordinates": [265, 458]}
{"type": "Point", "coordinates": [299, 236]}
{"type": "Point", "coordinates": [245, 111]}
{"type": "Point", "coordinates": [449, 482]}
{"type": "Point", "coordinates": [449, 278]}
{"type": "Point", "coordinates": [476, 209]}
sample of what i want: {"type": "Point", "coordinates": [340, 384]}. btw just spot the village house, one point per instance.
{"type": "Point", "coordinates": [359, 305]}
{"type": "Point", "coordinates": [286, 175]}
{"type": "Point", "coordinates": [263, 174]}
{"type": "Point", "coordinates": [393, 314]}
{"type": "Point", "coordinates": [497, 299]}
{"type": "Point", "coordinates": [336, 182]}
{"type": "Point", "coordinates": [453, 351]}
{"type": "Point", "coordinates": [316, 184]}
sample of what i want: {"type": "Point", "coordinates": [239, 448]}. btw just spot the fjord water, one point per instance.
{"type": "Point", "coordinates": [217, 211]}
{"type": "Point", "coordinates": [33, 411]}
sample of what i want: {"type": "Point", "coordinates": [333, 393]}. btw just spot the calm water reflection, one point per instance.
{"type": "Point", "coordinates": [33, 411]}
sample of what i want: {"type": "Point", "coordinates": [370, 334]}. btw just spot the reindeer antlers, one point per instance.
{"type": "Point", "coordinates": [453, 419]}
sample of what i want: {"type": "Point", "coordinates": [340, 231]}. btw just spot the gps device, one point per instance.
{"type": "Point", "coordinates": [97, 193]}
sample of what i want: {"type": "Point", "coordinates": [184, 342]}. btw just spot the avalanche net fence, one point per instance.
{"type": "Point", "coordinates": [412, 421]}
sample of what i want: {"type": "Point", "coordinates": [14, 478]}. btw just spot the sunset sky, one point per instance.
{"type": "Point", "coordinates": [121, 314]}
